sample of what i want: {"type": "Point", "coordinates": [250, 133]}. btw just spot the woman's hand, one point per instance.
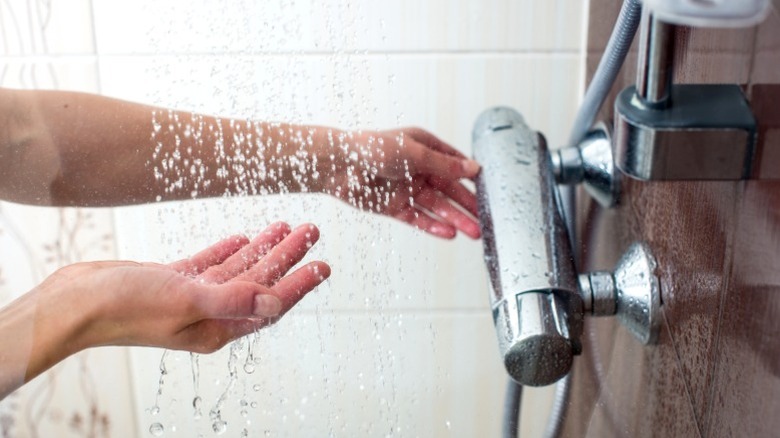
{"type": "Point", "coordinates": [408, 174]}
{"type": "Point", "coordinates": [228, 290]}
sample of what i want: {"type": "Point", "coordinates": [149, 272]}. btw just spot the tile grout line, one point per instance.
{"type": "Point", "coordinates": [384, 55]}
{"type": "Point", "coordinates": [681, 369]}
{"type": "Point", "coordinates": [397, 311]}
{"type": "Point", "coordinates": [729, 263]}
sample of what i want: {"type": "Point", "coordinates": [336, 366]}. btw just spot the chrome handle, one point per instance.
{"type": "Point", "coordinates": [533, 281]}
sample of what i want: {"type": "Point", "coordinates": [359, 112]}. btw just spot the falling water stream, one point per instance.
{"type": "Point", "coordinates": [242, 386]}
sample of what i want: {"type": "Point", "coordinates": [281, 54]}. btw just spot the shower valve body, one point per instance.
{"type": "Point", "coordinates": [538, 303]}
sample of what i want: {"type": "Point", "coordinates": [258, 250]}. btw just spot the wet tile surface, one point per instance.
{"type": "Point", "coordinates": [747, 379]}
{"type": "Point", "coordinates": [715, 369]}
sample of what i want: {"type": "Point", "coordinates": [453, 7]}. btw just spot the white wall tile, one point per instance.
{"type": "Point", "coordinates": [40, 28]}
{"type": "Point", "coordinates": [147, 26]}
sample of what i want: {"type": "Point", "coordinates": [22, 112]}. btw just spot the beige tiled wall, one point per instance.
{"type": "Point", "coordinates": [399, 342]}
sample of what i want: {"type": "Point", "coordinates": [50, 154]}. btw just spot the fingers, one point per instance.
{"type": "Point", "coordinates": [431, 162]}
{"type": "Point", "coordinates": [247, 256]}
{"type": "Point", "coordinates": [210, 335]}
{"type": "Point", "coordinates": [457, 192]}
{"type": "Point", "coordinates": [438, 204]}
{"type": "Point", "coordinates": [292, 288]}
{"type": "Point", "coordinates": [246, 299]}
{"type": "Point", "coordinates": [435, 143]}
{"type": "Point", "coordinates": [287, 292]}
{"type": "Point", "coordinates": [234, 299]}
{"type": "Point", "coordinates": [282, 256]}
{"type": "Point", "coordinates": [433, 156]}
{"type": "Point", "coordinates": [213, 255]}
{"type": "Point", "coordinates": [246, 293]}
{"type": "Point", "coordinates": [230, 305]}
{"type": "Point", "coordinates": [422, 220]}
{"type": "Point", "coordinates": [434, 209]}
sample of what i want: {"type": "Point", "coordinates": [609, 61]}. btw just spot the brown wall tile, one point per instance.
{"type": "Point", "coordinates": [716, 368]}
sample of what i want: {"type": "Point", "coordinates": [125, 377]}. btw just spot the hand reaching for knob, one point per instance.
{"type": "Point", "coordinates": [408, 174]}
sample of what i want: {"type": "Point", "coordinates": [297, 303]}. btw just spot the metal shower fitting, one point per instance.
{"type": "Point", "coordinates": [538, 301]}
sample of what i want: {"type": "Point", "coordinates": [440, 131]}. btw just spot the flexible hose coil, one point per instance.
{"type": "Point", "coordinates": [614, 55]}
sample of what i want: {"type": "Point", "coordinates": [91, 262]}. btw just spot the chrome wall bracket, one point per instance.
{"type": "Point", "coordinates": [680, 132]}
{"type": "Point", "coordinates": [706, 132]}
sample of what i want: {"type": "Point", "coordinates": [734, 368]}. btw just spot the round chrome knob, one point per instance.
{"type": "Point", "coordinates": [540, 352]}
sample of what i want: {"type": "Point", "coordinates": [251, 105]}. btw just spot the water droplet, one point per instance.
{"type": "Point", "coordinates": [219, 427]}
{"type": "Point", "coordinates": [196, 402]}
{"type": "Point", "coordinates": [156, 429]}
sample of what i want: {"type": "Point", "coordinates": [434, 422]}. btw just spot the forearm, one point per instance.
{"type": "Point", "coordinates": [198, 156]}
{"type": "Point", "coordinates": [35, 334]}
{"type": "Point", "coordinates": [16, 343]}
{"type": "Point", "coordinates": [66, 148]}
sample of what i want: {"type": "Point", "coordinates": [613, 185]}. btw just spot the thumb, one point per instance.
{"type": "Point", "coordinates": [237, 299]}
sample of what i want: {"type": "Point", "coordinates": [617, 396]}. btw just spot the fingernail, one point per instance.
{"type": "Point", "coordinates": [470, 167]}
{"type": "Point", "coordinates": [444, 231]}
{"type": "Point", "coordinates": [267, 305]}
{"type": "Point", "coordinates": [321, 271]}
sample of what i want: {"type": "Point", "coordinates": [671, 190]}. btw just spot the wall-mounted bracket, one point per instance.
{"type": "Point", "coordinates": [707, 132]}
{"type": "Point", "coordinates": [680, 132]}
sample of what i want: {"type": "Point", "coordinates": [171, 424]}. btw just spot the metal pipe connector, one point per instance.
{"type": "Point", "coordinates": [656, 61]}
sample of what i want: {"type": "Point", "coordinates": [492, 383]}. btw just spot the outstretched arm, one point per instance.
{"type": "Point", "coordinates": [66, 148]}
{"type": "Point", "coordinates": [77, 149]}
{"type": "Point", "coordinates": [199, 304]}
